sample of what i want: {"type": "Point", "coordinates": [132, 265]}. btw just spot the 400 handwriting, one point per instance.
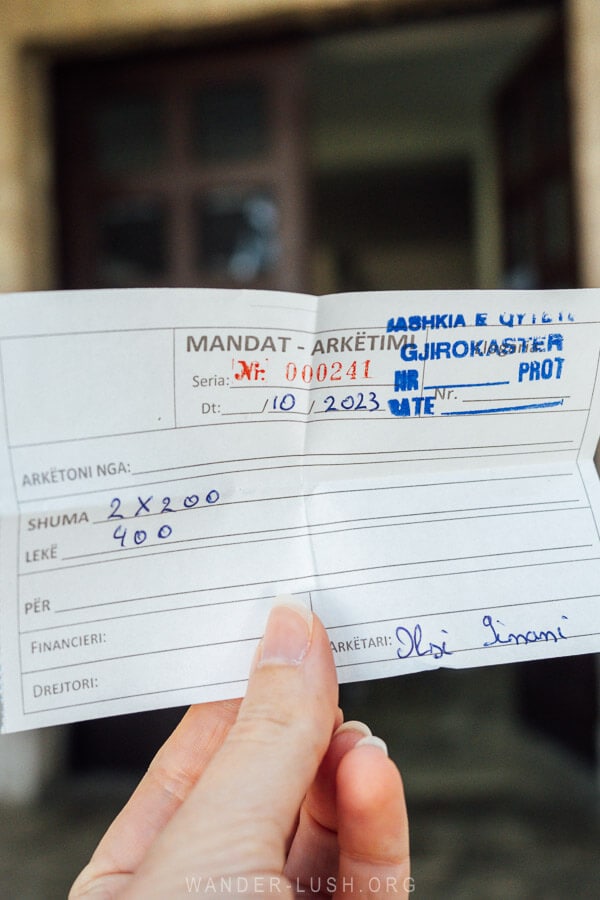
{"type": "Point", "coordinates": [146, 506]}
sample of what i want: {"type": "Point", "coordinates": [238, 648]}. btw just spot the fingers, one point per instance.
{"type": "Point", "coordinates": [169, 779]}
{"type": "Point", "coordinates": [320, 801]}
{"type": "Point", "coordinates": [313, 857]}
{"type": "Point", "coordinates": [372, 824]}
{"type": "Point", "coordinates": [353, 831]}
{"type": "Point", "coordinates": [241, 816]}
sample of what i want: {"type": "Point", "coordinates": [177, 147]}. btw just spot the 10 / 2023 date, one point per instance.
{"type": "Point", "coordinates": [361, 401]}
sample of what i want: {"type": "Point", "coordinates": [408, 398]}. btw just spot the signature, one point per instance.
{"type": "Point", "coordinates": [530, 636]}
{"type": "Point", "coordinates": [412, 643]}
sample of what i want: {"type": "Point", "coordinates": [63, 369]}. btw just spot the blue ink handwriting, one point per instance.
{"type": "Point", "coordinates": [521, 637]}
{"type": "Point", "coordinates": [356, 402]}
{"type": "Point", "coordinates": [500, 409]}
{"type": "Point", "coordinates": [411, 644]}
{"type": "Point", "coordinates": [139, 536]}
{"type": "Point", "coordinates": [147, 505]}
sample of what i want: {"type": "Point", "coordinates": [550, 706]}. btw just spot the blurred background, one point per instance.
{"type": "Point", "coordinates": [322, 146]}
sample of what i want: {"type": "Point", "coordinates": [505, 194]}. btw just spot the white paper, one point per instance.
{"type": "Point", "coordinates": [416, 467]}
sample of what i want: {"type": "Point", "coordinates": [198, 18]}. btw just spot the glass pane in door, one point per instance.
{"type": "Point", "coordinates": [128, 134]}
{"type": "Point", "coordinates": [237, 234]}
{"type": "Point", "coordinates": [132, 241]}
{"type": "Point", "coordinates": [229, 122]}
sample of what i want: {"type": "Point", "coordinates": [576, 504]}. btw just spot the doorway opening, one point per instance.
{"type": "Point", "coordinates": [393, 135]}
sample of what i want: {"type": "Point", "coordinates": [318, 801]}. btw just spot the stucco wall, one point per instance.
{"type": "Point", "coordinates": [60, 19]}
{"type": "Point", "coordinates": [584, 54]}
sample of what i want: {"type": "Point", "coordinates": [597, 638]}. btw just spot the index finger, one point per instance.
{"type": "Point", "coordinates": [170, 777]}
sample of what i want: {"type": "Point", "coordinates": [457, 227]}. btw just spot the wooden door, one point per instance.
{"type": "Point", "coordinates": [182, 169]}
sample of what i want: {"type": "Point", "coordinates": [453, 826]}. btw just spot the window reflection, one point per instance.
{"type": "Point", "coordinates": [238, 234]}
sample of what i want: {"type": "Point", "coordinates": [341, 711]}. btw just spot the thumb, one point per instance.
{"type": "Point", "coordinates": [241, 815]}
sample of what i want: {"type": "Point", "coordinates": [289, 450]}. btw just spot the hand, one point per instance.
{"type": "Point", "coordinates": [268, 796]}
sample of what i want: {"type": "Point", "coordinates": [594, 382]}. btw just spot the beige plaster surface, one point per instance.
{"type": "Point", "coordinates": [584, 69]}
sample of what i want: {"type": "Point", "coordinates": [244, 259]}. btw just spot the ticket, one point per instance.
{"type": "Point", "coordinates": [415, 467]}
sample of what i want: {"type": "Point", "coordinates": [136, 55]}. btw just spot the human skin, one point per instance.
{"type": "Point", "coordinates": [269, 796]}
